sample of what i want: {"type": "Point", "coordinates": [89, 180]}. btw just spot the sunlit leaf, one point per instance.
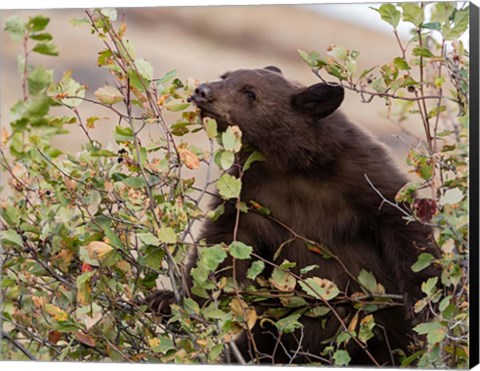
{"type": "Point", "coordinates": [108, 95]}
{"type": "Point", "coordinates": [282, 280]}
{"type": "Point", "coordinates": [320, 288]}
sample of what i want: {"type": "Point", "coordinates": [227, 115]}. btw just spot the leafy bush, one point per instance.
{"type": "Point", "coordinates": [87, 236]}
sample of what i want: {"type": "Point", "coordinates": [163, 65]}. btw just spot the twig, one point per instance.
{"type": "Point", "coordinates": [19, 346]}
{"type": "Point", "coordinates": [384, 94]}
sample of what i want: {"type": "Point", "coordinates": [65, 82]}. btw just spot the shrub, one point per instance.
{"type": "Point", "coordinates": [87, 236]}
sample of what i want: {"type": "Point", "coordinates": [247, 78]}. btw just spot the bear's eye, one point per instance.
{"type": "Point", "coordinates": [250, 94]}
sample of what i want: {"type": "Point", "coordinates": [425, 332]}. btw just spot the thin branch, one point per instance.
{"type": "Point", "coordinates": [18, 345]}
{"type": "Point", "coordinates": [373, 94]}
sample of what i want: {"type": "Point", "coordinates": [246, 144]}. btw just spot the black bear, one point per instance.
{"type": "Point", "coordinates": [325, 179]}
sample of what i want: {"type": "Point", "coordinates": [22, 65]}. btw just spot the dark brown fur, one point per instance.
{"type": "Point", "coordinates": [314, 182]}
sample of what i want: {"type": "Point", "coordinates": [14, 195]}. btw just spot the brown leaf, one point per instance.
{"type": "Point", "coordinates": [54, 336]}
{"type": "Point", "coordinates": [85, 339]}
{"type": "Point", "coordinates": [240, 309]}
{"type": "Point", "coordinates": [63, 259]}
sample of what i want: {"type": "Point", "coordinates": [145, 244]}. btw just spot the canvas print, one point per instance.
{"type": "Point", "coordinates": [253, 185]}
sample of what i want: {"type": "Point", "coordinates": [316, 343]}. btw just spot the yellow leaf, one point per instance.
{"type": "Point", "coordinates": [56, 312]}
{"type": "Point", "coordinates": [39, 301]}
{"type": "Point", "coordinates": [189, 158]}
{"type": "Point", "coordinates": [98, 250]}
{"type": "Point", "coordinates": [154, 342]}
{"type": "Point", "coordinates": [4, 136]}
{"type": "Point", "coordinates": [83, 294]}
{"type": "Point", "coordinates": [243, 311]}
{"type": "Point", "coordinates": [353, 323]}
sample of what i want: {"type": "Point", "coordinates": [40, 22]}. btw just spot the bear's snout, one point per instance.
{"type": "Point", "coordinates": [203, 93]}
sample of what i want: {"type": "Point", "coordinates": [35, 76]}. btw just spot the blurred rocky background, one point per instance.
{"type": "Point", "coordinates": [203, 43]}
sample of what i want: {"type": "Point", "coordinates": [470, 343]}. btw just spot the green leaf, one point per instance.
{"type": "Point", "coordinates": [41, 37]}
{"type": "Point", "coordinates": [423, 261]}
{"type": "Point", "coordinates": [303, 54]}
{"type": "Point", "coordinates": [401, 64]}
{"type": "Point", "coordinates": [378, 85]}
{"type": "Point", "coordinates": [144, 68]}
{"type": "Point", "coordinates": [432, 26]}
{"type": "Point", "coordinates": [191, 306]}
{"type": "Point", "coordinates": [255, 269]}
{"type": "Point", "coordinates": [335, 70]}
{"type": "Point", "coordinates": [94, 202]}
{"type": "Point", "coordinates": [153, 256]}
{"type": "Point", "coordinates": [407, 361]}
{"type": "Point", "coordinates": [15, 28]}
{"type": "Point", "coordinates": [38, 23]}
{"type": "Point", "coordinates": [12, 237]}
{"type": "Point", "coordinates": [253, 157]}
{"type": "Point", "coordinates": [134, 182]}
{"type": "Point", "coordinates": [460, 25]}
{"type": "Point", "coordinates": [229, 187]}
{"type": "Point", "coordinates": [166, 344]}
{"type": "Point", "coordinates": [167, 235]}
{"type": "Point", "coordinates": [308, 268]}
{"type": "Point", "coordinates": [320, 288]}
{"type": "Point", "coordinates": [289, 324]}
{"type": "Point", "coordinates": [46, 48]}
{"type": "Point", "coordinates": [390, 14]}
{"type": "Point", "coordinates": [230, 141]}
{"type": "Point", "coordinates": [429, 286]}
{"type": "Point", "coordinates": [442, 11]}
{"type": "Point", "coordinates": [239, 250]}
{"type": "Point", "coordinates": [341, 358]}
{"type": "Point", "coordinates": [11, 215]}
{"type": "Point", "coordinates": [149, 239]}
{"type": "Point", "coordinates": [123, 133]}
{"type": "Point", "coordinates": [366, 326]}
{"type": "Point", "coordinates": [39, 80]}
{"type": "Point", "coordinates": [435, 331]}
{"type": "Point", "coordinates": [103, 57]}
{"type": "Point", "coordinates": [109, 95]}
{"type": "Point", "coordinates": [318, 311]}
{"type": "Point", "coordinates": [176, 105]}
{"type": "Point", "coordinates": [368, 281]}
{"type": "Point", "coordinates": [211, 257]}
{"type": "Point", "coordinates": [282, 280]}
{"type": "Point", "coordinates": [421, 51]}
{"type": "Point", "coordinates": [451, 197]}
{"type": "Point", "coordinates": [211, 128]}
{"type": "Point", "coordinates": [226, 159]}
{"type": "Point", "coordinates": [412, 13]}
{"type": "Point", "coordinates": [75, 22]}
{"type": "Point", "coordinates": [339, 52]}
{"type": "Point", "coordinates": [167, 77]}
{"type": "Point", "coordinates": [72, 88]}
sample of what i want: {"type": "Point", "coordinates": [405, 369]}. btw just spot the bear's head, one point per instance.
{"type": "Point", "coordinates": [268, 108]}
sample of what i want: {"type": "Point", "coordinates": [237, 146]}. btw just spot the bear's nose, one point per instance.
{"type": "Point", "coordinates": [202, 93]}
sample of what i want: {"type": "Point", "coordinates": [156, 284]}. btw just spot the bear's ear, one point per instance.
{"type": "Point", "coordinates": [319, 100]}
{"type": "Point", "coordinates": [273, 68]}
